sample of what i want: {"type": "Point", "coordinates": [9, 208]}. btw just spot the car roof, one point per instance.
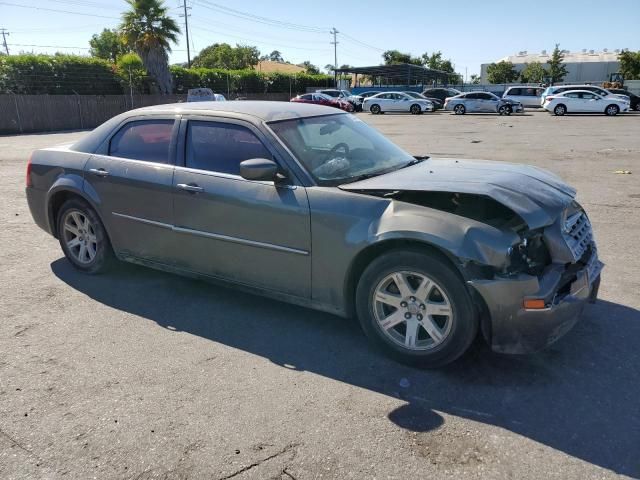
{"type": "Point", "coordinates": [577, 90]}
{"type": "Point", "coordinates": [262, 110]}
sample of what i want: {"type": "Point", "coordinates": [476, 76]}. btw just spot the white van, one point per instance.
{"type": "Point", "coordinates": [527, 96]}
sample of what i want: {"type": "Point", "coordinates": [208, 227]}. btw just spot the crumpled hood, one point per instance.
{"type": "Point", "coordinates": [537, 195]}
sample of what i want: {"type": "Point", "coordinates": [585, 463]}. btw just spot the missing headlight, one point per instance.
{"type": "Point", "coordinates": [530, 255]}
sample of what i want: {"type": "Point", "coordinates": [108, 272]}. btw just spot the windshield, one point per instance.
{"type": "Point", "coordinates": [416, 95]}
{"type": "Point", "coordinates": [337, 149]}
{"type": "Point", "coordinates": [332, 93]}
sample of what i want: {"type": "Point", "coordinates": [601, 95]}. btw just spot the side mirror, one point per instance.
{"type": "Point", "coordinates": [258, 169]}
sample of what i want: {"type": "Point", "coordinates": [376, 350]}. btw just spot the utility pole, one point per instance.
{"type": "Point", "coordinates": [186, 28]}
{"type": "Point", "coordinates": [335, 42]}
{"type": "Point", "coordinates": [5, 33]}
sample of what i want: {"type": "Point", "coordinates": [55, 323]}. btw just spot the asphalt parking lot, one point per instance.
{"type": "Point", "coordinates": [141, 374]}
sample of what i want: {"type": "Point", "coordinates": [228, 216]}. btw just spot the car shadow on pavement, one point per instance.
{"type": "Point", "coordinates": [581, 396]}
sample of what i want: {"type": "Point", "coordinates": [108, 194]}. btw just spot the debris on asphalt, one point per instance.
{"type": "Point", "coordinates": [623, 172]}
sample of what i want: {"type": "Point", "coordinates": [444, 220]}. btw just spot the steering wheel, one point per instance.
{"type": "Point", "coordinates": [336, 147]}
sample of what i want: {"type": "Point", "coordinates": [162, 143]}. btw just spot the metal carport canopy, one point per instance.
{"type": "Point", "coordinates": [404, 71]}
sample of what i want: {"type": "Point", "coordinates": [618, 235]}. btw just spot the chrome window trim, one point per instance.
{"type": "Point", "coordinates": [216, 236]}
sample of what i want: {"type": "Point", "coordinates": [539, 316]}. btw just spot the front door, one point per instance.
{"type": "Point", "coordinates": [252, 232]}
{"type": "Point", "coordinates": [131, 177]}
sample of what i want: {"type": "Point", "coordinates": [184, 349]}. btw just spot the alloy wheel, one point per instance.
{"type": "Point", "coordinates": [412, 310]}
{"type": "Point", "coordinates": [79, 236]}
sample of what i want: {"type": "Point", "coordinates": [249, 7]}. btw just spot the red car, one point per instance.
{"type": "Point", "coordinates": [322, 99]}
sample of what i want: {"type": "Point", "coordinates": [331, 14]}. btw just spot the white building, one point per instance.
{"type": "Point", "coordinates": [585, 66]}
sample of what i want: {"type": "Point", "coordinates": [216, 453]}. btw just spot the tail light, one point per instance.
{"type": "Point", "coordinates": [29, 182]}
{"type": "Point", "coordinates": [548, 98]}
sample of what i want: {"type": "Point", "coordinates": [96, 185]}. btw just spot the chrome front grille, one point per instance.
{"type": "Point", "coordinates": [577, 233]}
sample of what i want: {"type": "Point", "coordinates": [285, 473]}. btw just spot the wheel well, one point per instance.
{"type": "Point", "coordinates": [57, 200]}
{"type": "Point", "coordinates": [366, 256]}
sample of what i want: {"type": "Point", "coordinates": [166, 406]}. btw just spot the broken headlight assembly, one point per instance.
{"type": "Point", "coordinates": [530, 255]}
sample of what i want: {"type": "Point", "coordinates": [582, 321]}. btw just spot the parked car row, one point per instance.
{"type": "Point", "coordinates": [560, 100]}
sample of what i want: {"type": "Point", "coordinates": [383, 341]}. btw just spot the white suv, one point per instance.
{"type": "Point", "coordinates": [526, 95]}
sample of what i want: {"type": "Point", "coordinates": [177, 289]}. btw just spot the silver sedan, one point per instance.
{"type": "Point", "coordinates": [396, 102]}
{"type": "Point", "coordinates": [310, 205]}
{"type": "Point", "coordinates": [481, 102]}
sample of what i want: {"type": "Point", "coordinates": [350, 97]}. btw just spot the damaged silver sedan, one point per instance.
{"type": "Point", "coordinates": [311, 206]}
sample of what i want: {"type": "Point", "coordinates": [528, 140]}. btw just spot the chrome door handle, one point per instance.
{"type": "Point", "coordinates": [100, 172]}
{"type": "Point", "coordinates": [190, 187]}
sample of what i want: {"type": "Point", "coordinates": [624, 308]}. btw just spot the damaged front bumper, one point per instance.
{"type": "Point", "coordinates": [516, 329]}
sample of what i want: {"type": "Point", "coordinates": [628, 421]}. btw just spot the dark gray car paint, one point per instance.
{"type": "Point", "coordinates": [295, 240]}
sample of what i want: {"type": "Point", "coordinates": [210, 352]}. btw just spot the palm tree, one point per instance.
{"type": "Point", "coordinates": [148, 30]}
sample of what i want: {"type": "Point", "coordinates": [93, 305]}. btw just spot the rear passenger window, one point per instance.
{"type": "Point", "coordinates": [220, 147]}
{"type": "Point", "coordinates": [514, 91]}
{"type": "Point", "coordinates": [146, 140]}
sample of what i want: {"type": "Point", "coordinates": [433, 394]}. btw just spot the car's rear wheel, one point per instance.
{"type": "Point", "coordinates": [612, 110]}
{"type": "Point", "coordinates": [415, 109]}
{"type": "Point", "coordinates": [375, 109]}
{"type": "Point", "coordinates": [416, 308]}
{"type": "Point", "coordinates": [638, 107]}
{"type": "Point", "coordinates": [83, 238]}
{"type": "Point", "coordinates": [459, 109]}
{"type": "Point", "coordinates": [560, 110]}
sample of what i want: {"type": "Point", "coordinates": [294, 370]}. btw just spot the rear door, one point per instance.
{"type": "Point", "coordinates": [132, 175]}
{"type": "Point", "coordinates": [251, 232]}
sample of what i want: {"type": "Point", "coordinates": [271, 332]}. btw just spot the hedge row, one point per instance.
{"type": "Point", "coordinates": [68, 74]}
{"type": "Point", "coordinates": [61, 74]}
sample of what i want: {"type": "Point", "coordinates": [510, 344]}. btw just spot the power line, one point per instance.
{"type": "Point", "coordinates": [254, 40]}
{"type": "Point", "coordinates": [58, 11]}
{"type": "Point", "coordinates": [359, 42]}
{"type": "Point", "coordinates": [257, 18]}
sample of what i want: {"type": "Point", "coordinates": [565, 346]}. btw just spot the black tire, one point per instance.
{"type": "Point", "coordinates": [638, 107]}
{"type": "Point", "coordinates": [459, 109]}
{"type": "Point", "coordinates": [560, 110]}
{"type": "Point", "coordinates": [375, 109]}
{"type": "Point", "coordinates": [505, 110]}
{"type": "Point", "coordinates": [104, 257]}
{"type": "Point", "coordinates": [415, 109]}
{"type": "Point", "coordinates": [464, 322]}
{"type": "Point", "coordinates": [350, 108]}
{"type": "Point", "coordinates": [611, 110]}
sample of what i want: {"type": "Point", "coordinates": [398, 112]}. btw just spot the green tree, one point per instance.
{"type": "Point", "coordinates": [501, 72]}
{"type": "Point", "coordinates": [630, 65]}
{"type": "Point", "coordinates": [329, 67]}
{"type": "Point", "coordinates": [394, 57]}
{"type": "Point", "coordinates": [309, 68]}
{"type": "Point", "coordinates": [107, 45]}
{"type": "Point", "coordinates": [223, 55]}
{"type": "Point", "coordinates": [557, 70]}
{"type": "Point", "coordinates": [274, 56]}
{"type": "Point", "coordinates": [131, 70]}
{"type": "Point", "coordinates": [475, 79]}
{"type": "Point", "coordinates": [533, 72]}
{"type": "Point", "coordinates": [148, 30]}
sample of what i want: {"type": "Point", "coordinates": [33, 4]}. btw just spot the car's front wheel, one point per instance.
{"type": "Point", "coordinates": [416, 308]}
{"type": "Point", "coordinates": [415, 109]}
{"type": "Point", "coordinates": [83, 238]}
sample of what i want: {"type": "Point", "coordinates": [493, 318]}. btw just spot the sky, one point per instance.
{"type": "Point", "coordinates": [468, 32]}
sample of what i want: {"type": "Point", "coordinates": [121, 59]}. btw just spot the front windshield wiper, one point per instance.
{"type": "Point", "coordinates": [415, 161]}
